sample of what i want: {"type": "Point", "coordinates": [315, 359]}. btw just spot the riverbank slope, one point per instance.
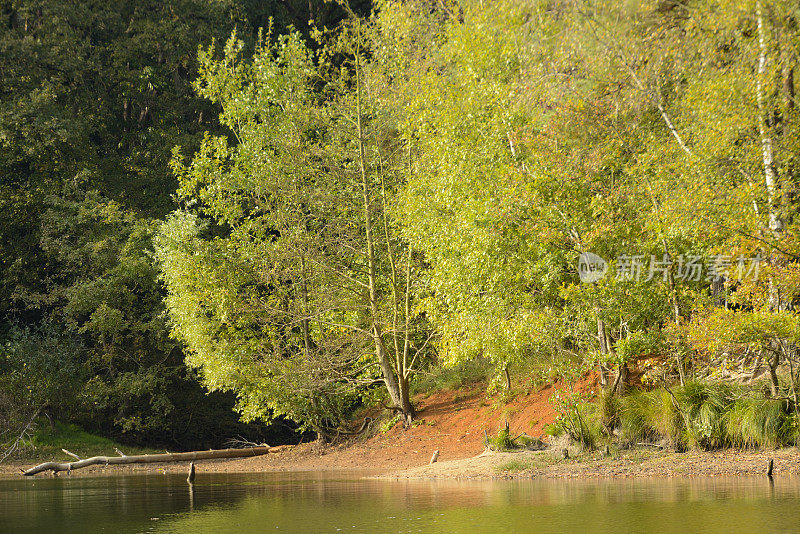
{"type": "Point", "coordinates": [454, 422]}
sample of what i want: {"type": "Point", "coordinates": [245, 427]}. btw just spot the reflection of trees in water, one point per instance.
{"type": "Point", "coordinates": [219, 503]}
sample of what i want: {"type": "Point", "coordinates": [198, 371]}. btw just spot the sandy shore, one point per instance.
{"type": "Point", "coordinates": [643, 462]}
{"type": "Point", "coordinates": [624, 464]}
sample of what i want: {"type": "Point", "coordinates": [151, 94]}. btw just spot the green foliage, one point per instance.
{"type": "Point", "coordinates": [299, 295]}
{"type": "Point", "coordinates": [720, 329]}
{"type": "Point", "coordinates": [424, 169]}
{"type": "Point", "coordinates": [502, 441]}
{"type": "Point", "coordinates": [38, 368]}
{"type": "Point", "coordinates": [530, 149]}
{"type": "Point", "coordinates": [576, 414]}
{"type": "Point", "coordinates": [460, 207]}
{"type": "Point", "coordinates": [448, 378]}
{"type": "Point", "coordinates": [389, 423]}
{"type": "Point", "coordinates": [93, 98]}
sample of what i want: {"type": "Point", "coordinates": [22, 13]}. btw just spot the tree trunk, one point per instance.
{"type": "Point", "coordinates": [767, 153]}
{"type": "Point", "coordinates": [621, 382]}
{"type": "Point", "coordinates": [601, 338]}
{"type": "Point", "coordinates": [149, 458]}
{"type": "Point", "coordinates": [396, 382]}
{"type": "Point", "coordinates": [772, 364]}
{"type": "Point", "coordinates": [305, 320]}
{"type": "Point", "coordinates": [405, 401]}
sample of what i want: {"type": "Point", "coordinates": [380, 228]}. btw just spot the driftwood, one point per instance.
{"type": "Point", "coordinates": [149, 458]}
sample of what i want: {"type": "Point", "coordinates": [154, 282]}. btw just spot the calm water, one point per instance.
{"type": "Point", "coordinates": [308, 503]}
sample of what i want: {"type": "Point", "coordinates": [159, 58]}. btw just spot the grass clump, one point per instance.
{"type": "Point", "coordinates": [759, 422]}
{"type": "Point", "coordinates": [504, 442]}
{"type": "Point", "coordinates": [534, 461]}
{"type": "Point", "coordinates": [637, 417]}
{"type": "Point", "coordinates": [515, 466]}
{"type": "Point", "coordinates": [702, 416]}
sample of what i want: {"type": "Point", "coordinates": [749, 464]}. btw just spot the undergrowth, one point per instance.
{"type": "Point", "coordinates": [700, 416]}
{"type": "Point", "coordinates": [504, 441]}
{"type": "Point", "coordinates": [47, 441]}
{"type": "Point", "coordinates": [466, 373]}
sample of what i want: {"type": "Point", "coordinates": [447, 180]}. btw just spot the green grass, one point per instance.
{"type": "Point", "coordinates": [449, 378]}
{"type": "Point", "coordinates": [501, 442]}
{"type": "Point", "coordinates": [46, 444]}
{"type": "Point", "coordinates": [389, 424]}
{"type": "Point", "coordinates": [757, 422]}
{"type": "Point", "coordinates": [705, 416]}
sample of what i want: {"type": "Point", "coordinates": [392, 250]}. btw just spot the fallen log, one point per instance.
{"type": "Point", "coordinates": [149, 458]}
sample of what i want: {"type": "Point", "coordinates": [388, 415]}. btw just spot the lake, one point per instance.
{"type": "Point", "coordinates": [223, 503]}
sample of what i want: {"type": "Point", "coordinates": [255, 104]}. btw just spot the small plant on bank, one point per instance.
{"type": "Point", "coordinates": [501, 442]}
{"type": "Point", "coordinates": [389, 424]}
{"type": "Point", "coordinates": [576, 417]}
{"type": "Point", "coordinates": [504, 441]}
{"type": "Point", "coordinates": [576, 414]}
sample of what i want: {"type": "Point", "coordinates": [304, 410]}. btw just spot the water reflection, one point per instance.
{"type": "Point", "coordinates": [308, 502]}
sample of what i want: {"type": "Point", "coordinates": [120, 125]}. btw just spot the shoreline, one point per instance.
{"type": "Point", "coordinates": [630, 463]}
{"type": "Point", "coordinates": [454, 423]}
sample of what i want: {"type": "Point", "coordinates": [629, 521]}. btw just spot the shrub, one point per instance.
{"type": "Point", "coordinates": [501, 442]}
{"type": "Point", "coordinates": [576, 417]}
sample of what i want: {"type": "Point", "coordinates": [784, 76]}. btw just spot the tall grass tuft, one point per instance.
{"type": "Point", "coordinates": [702, 415]}
{"type": "Point", "coordinates": [667, 418]}
{"type": "Point", "coordinates": [759, 422]}
{"type": "Point", "coordinates": [636, 418]}
{"type": "Point", "coordinates": [703, 406]}
{"type": "Point", "coordinates": [609, 407]}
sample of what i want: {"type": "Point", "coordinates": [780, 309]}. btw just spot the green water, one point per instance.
{"type": "Point", "coordinates": [309, 503]}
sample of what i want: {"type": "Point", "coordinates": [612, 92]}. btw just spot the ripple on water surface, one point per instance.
{"type": "Point", "coordinates": [315, 502]}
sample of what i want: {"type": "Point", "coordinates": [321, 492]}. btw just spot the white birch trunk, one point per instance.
{"type": "Point", "coordinates": [767, 153]}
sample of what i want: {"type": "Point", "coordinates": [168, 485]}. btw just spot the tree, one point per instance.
{"type": "Point", "coordinates": [300, 199]}
{"type": "Point", "coordinates": [92, 98]}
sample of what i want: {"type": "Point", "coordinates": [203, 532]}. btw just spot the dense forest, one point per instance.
{"type": "Point", "coordinates": [296, 210]}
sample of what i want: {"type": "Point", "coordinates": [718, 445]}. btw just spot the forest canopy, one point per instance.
{"type": "Point", "coordinates": [309, 213]}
